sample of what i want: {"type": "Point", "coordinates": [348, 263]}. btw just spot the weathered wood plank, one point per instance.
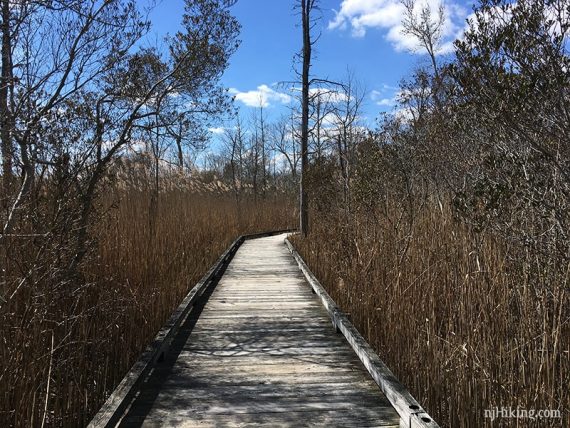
{"type": "Point", "coordinates": [265, 371]}
{"type": "Point", "coordinates": [261, 335]}
{"type": "Point", "coordinates": [214, 328]}
{"type": "Point", "coordinates": [185, 381]}
{"type": "Point", "coordinates": [196, 407]}
{"type": "Point", "coordinates": [261, 323]}
{"type": "Point", "coordinates": [257, 313]}
{"type": "Point", "coordinates": [332, 359]}
{"type": "Point", "coordinates": [227, 305]}
{"type": "Point", "coordinates": [292, 352]}
{"type": "Point", "coordinates": [310, 418]}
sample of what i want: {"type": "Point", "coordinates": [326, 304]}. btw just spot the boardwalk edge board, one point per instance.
{"type": "Point", "coordinates": [412, 415]}
{"type": "Point", "coordinates": [110, 414]}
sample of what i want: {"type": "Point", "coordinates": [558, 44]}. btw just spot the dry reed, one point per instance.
{"type": "Point", "coordinates": [65, 345]}
{"type": "Point", "coordinates": [466, 320]}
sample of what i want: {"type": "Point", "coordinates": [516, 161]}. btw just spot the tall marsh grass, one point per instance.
{"type": "Point", "coordinates": [66, 344]}
{"type": "Point", "coordinates": [466, 320]}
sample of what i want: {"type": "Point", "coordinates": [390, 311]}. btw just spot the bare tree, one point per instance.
{"type": "Point", "coordinates": [59, 60]}
{"type": "Point", "coordinates": [260, 144]}
{"type": "Point", "coordinates": [425, 26]}
{"type": "Point", "coordinates": [320, 108]}
{"type": "Point", "coordinates": [284, 141]}
{"type": "Point", "coordinates": [6, 83]}
{"type": "Point", "coordinates": [308, 7]}
{"type": "Point", "coordinates": [234, 142]}
{"type": "Point", "coordinates": [346, 132]}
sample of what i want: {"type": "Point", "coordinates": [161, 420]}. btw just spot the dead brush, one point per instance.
{"type": "Point", "coordinates": [466, 320]}
{"type": "Point", "coordinates": [66, 342]}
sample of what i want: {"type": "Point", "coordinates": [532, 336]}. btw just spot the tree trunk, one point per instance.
{"type": "Point", "coordinates": [234, 174]}
{"type": "Point", "coordinates": [306, 7]}
{"type": "Point", "coordinates": [180, 153]}
{"type": "Point", "coordinates": [5, 113]}
{"type": "Point", "coordinates": [255, 161]}
{"type": "Point", "coordinates": [343, 167]}
{"type": "Point", "coordinates": [263, 162]}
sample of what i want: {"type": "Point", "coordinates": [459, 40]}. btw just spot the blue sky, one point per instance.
{"type": "Point", "coordinates": [361, 35]}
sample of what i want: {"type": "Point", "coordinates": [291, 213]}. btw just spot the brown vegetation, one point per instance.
{"type": "Point", "coordinates": [464, 319]}
{"type": "Point", "coordinates": [65, 345]}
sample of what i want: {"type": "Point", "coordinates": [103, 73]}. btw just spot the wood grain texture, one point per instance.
{"type": "Point", "coordinates": [260, 352]}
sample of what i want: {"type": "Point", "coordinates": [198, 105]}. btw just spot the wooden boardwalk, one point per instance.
{"type": "Point", "coordinates": [261, 351]}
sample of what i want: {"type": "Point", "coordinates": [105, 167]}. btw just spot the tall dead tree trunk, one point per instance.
{"type": "Point", "coordinates": [307, 7]}
{"type": "Point", "coordinates": [5, 113]}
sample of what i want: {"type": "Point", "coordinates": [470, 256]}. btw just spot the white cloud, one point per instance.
{"type": "Point", "coordinates": [382, 99]}
{"type": "Point", "coordinates": [374, 95]}
{"type": "Point", "coordinates": [218, 130]}
{"type": "Point", "coordinates": [386, 102]}
{"type": "Point", "coordinates": [263, 96]}
{"type": "Point", "coordinates": [329, 120]}
{"type": "Point", "coordinates": [328, 95]}
{"type": "Point", "coordinates": [387, 15]}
